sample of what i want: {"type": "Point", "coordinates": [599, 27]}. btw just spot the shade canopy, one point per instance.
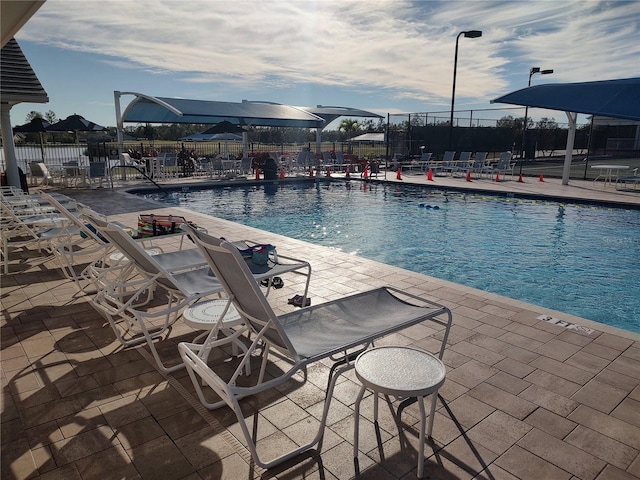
{"type": "Point", "coordinates": [368, 137]}
{"type": "Point", "coordinates": [148, 109]}
{"type": "Point", "coordinates": [329, 114]}
{"type": "Point", "coordinates": [36, 125]}
{"type": "Point", "coordinates": [75, 123]}
{"type": "Point", "coordinates": [212, 137]}
{"type": "Point", "coordinates": [608, 98]}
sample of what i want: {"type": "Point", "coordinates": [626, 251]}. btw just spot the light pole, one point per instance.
{"type": "Point", "coordinates": [532, 72]}
{"type": "Point", "coordinates": [467, 34]}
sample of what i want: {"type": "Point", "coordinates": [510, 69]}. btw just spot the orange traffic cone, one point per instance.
{"type": "Point", "coordinates": [497, 177]}
{"type": "Point", "coordinates": [328, 171]}
{"type": "Point", "coordinates": [520, 179]}
{"type": "Point", "coordinates": [365, 174]}
{"type": "Point", "coordinates": [311, 171]}
{"type": "Point", "coordinates": [469, 176]}
{"type": "Point", "coordinates": [399, 174]}
{"type": "Point", "coordinates": [430, 175]}
{"type": "Point", "coordinates": [281, 173]}
{"type": "Point", "coordinates": [541, 178]}
{"type": "Point", "coordinates": [257, 174]}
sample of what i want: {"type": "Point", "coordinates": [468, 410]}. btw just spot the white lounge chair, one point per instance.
{"type": "Point", "coordinates": [178, 274]}
{"type": "Point", "coordinates": [336, 330]}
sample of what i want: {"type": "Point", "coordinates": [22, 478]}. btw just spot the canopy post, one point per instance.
{"type": "Point", "coordinates": [571, 135]}
{"type": "Point", "coordinates": [13, 176]}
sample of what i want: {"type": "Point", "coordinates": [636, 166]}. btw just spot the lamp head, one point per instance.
{"type": "Point", "coordinates": [546, 72]}
{"type": "Point", "coordinates": [473, 33]}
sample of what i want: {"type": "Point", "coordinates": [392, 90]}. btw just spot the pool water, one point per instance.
{"type": "Point", "coordinates": [575, 258]}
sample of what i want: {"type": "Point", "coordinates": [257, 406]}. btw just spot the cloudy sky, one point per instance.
{"type": "Point", "coordinates": [383, 56]}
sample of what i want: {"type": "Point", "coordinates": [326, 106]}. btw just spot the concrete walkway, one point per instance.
{"type": "Point", "coordinates": [524, 398]}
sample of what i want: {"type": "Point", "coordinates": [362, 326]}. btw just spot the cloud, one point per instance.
{"type": "Point", "coordinates": [401, 49]}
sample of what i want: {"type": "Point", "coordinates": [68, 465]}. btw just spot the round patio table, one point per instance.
{"type": "Point", "coordinates": [403, 372]}
{"type": "Point", "coordinates": [607, 171]}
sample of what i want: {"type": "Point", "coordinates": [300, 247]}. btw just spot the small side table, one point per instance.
{"type": "Point", "coordinates": [403, 372]}
{"type": "Point", "coordinates": [208, 315]}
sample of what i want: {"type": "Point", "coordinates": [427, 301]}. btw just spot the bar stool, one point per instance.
{"type": "Point", "coordinates": [403, 372]}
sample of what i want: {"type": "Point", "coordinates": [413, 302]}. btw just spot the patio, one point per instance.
{"type": "Point", "coordinates": [523, 398]}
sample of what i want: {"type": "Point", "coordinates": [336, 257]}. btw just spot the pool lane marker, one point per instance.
{"type": "Point", "coordinates": [569, 326]}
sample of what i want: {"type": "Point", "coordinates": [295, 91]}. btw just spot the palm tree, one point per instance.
{"type": "Point", "coordinates": [349, 126]}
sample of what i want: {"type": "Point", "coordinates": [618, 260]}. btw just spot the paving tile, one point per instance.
{"type": "Point", "coordinates": [528, 466]}
{"type": "Point", "coordinates": [467, 411]}
{"type": "Point", "coordinates": [498, 432]}
{"type": "Point", "coordinates": [562, 370]}
{"type": "Point", "coordinates": [600, 396]}
{"type": "Point", "coordinates": [627, 366]}
{"type": "Point", "coordinates": [618, 380]}
{"type": "Point", "coordinates": [607, 425]}
{"type": "Point", "coordinates": [561, 454]}
{"type": "Point", "coordinates": [160, 458]}
{"type": "Point", "coordinates": [553, 383]}
{"type": "Point", "coordinates": [514, 367]}
{"type": "Point", "coordinates": [477, 353]}
{"type": "Point", "coordinates": [471, 373]}
{"type": "Point", "coordinates": [508, 383]}
{"type": "Point", "coordinates": [550, 423]}
{"type": "Point", "coordinates": [613, 341]}
{"type": "Point", "coordinates": [558, 350]}
{"type": "Point", "coordinates": [83, 444]}
{"type": "Point", "coordinates": [629, 411]}
{"type": "Point", "coordinates": [601, 351]}
{"type": "Point", "coordinates": [587, 361]}
{"type": "Point", "coordinates": [553, 402]}
{"type": "Point", "coordinates": [513, 405]}
{"type": "Point", "coordinates": [110, 463]}
{"type": "Point", "coordinates": [602, 447]}
{"type": "Point", "coordinates": [612, 473]}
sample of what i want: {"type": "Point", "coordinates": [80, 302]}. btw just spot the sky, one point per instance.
{"type": "Point", "coordinates": [382, 56]}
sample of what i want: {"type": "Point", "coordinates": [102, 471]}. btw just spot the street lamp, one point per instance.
{"type": "Point", "coordinates": [467, 34]}
{"type": "Point", "coordinates": [532, 72]}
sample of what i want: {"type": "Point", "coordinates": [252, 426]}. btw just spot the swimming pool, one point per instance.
{"type": "Point", "coordinates": [575, 258]}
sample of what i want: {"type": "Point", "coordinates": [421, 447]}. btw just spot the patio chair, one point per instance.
{"type": "Point", "coordinates": [503, 166]}
{"type": "Point", "coordinates": [24, 231]}
{"type": "Point", "coordinates": [328, 331]}
{"type": "Point", "coordinates": [479, 163]}
{"type": "Point", "coordinates": [464, 163]}
{"type": "Point", "coordinates": [623, 183]}
{"type": "Point", "coordinates": [448, 164]}
{"type": "Point", "coordinates": [40, 170]}
{"type": "Point", "coordinates": [119, 301]}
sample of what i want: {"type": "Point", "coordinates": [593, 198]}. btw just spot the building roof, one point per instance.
{"type": "Point", "coordinates": [609, 98]}
{"type": "Point", "coordinates": [14, 14]}
{"type": "Point", "coordinates": [18, 81]}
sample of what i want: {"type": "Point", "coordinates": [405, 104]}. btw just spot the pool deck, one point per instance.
{"type": "Point", "coordinates": [523, 399]}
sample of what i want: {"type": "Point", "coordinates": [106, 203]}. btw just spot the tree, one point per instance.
{"type": "Point", "coordinates": [510, 122]}
{"type": "Point", "coordinates": [31, 115]}
{"type": "Point", "coordinates": [349, 126]}
{"type": "Point", "coordinates": [546, 123]}
{"type": "Point", "coordinates": [51, 117]}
